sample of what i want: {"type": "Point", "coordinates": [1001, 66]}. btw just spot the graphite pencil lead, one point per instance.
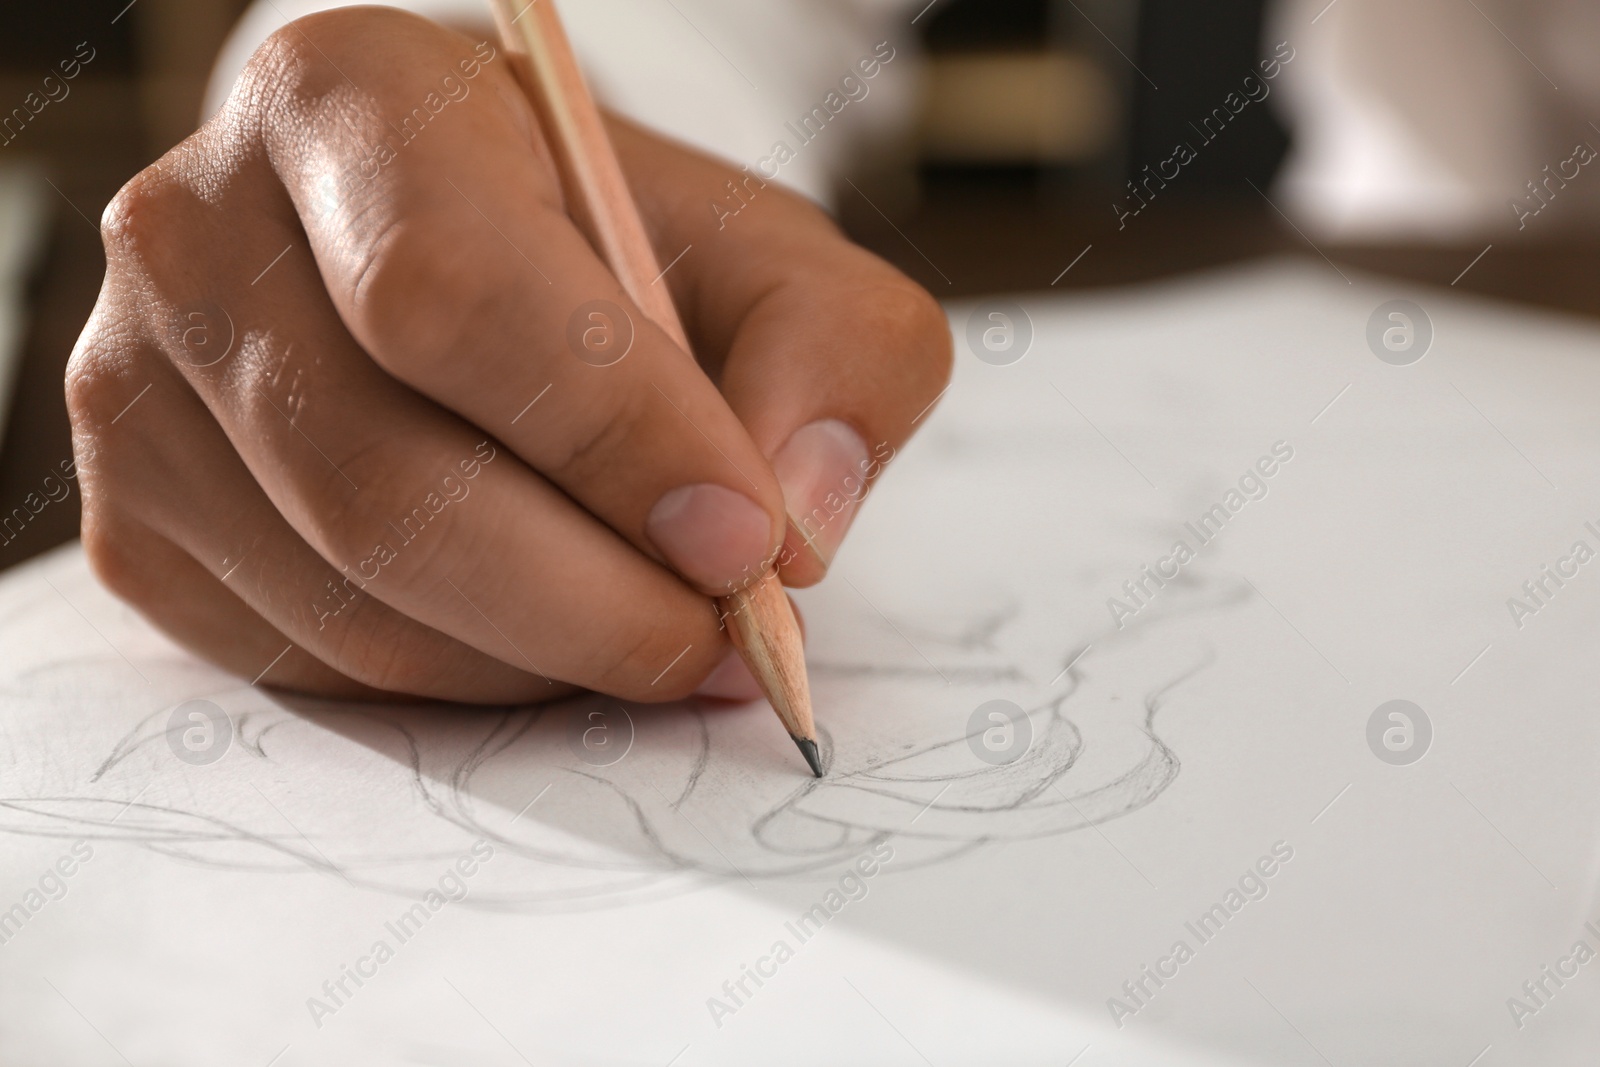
{"type": "Point", "coordinates": [808, 749]}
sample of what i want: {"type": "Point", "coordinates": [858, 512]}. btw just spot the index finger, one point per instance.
{"type": "Point", "coordinates": [454, 264]}
{"type": "Point", "coordinates": [829, 356]}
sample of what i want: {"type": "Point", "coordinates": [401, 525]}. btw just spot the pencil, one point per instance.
{"type": "Point", "coordinates": [759, 618]}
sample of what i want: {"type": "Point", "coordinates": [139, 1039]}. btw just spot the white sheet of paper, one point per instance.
{"type": "Point", "coordinates": [1014, 911]}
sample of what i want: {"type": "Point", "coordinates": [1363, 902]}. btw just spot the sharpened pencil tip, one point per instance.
{"type": "Point", "coordinates": [808, 749]}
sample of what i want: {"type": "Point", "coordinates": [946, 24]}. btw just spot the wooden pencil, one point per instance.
{"type": "Point", "coordinates": [759, 617]}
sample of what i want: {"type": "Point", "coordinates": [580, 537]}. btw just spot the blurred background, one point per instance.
{"type": "Point", "coordinates": [1400, 138]}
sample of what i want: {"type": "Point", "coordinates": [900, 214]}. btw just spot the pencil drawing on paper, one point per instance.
{"type": "Point", "coordinates": [379, 795]}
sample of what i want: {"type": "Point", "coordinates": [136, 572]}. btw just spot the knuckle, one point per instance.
{"type": "Point", "coordinates": [651, 664]}
{"type": "Point", "coordinates": [145, 217]}
{"type": "Point", "coordinates": [85, 386]}
{"type": "Point", "coordinates": [911, 317]}
{"type": "Point", "coordinates": [323, 60]}
{"type": "Point", "coordinates": [595, 442]}
{"type": "Point", "coordinates": [381, 527]}
{"type": "Point", "coordinates": [417, 300]}
{"type": "Point", "coordinates": [343, 538]}
{"type": "Point", "coordinates": [379, 647]}
{"type": "Point", "coordinates": [916, 346]}
{"type": "Point", "coordinates": [99, 379]}
{"type": "Point", "coordinates": [110, 550]}
{"type": "Point", "coordinates": [301, 59]}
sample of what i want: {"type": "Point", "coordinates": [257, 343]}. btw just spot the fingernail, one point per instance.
{"type": "Point", "coordinates": [823, 470]}
{"type": "Point", "coordinates": [731, 680]}
{"type": "Point", "coordinates": [715, 537]}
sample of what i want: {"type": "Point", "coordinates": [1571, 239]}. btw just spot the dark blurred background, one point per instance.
{"type": "Point", "coordinates": [135, 99]}
{"type": "Point", "coordinates": [1034, 116]}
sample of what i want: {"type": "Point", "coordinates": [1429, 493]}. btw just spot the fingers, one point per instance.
{"type": "Point", "coordinates": [262, 603]}
{"type": "Point", "coordinates": [430, 516]}
{"type": "Point", "coordinates": [192, 607]}
{"type": "Point", "coordinates": [833, 398]}
{"type": "Point", "coordinates": [492, 504]}
{"type": "Point", "coordinates": [829, 356]}
{"type": "Point", "coordinates": [455, 267]}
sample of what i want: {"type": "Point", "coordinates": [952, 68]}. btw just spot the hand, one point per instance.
{"type": "Point", "coordinates": [339, 416]}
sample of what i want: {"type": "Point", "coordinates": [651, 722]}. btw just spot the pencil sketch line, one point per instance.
{"type": "Point", "coordinates": [96, 629]}
{"type": "Point", "coordinates": [129, 804]}
{"type": "Point", "coordinates": [486, 1021]}
{"type": "Point", "coordinates": [1503, 437]}
{"type": "Point", "coordinates": [708, 840]}
{"type": "Point", "coordinates": [1330, 404]}
{"type": "Point", "coordinates": [1503, 837]}
{"type": "Point", "coordinates": [531, 803]}
{"type": "Point", "coordinates": [887, 1023]}
{"type": "Point", "coordinates": [897, 630]}
{"type": "Point", "coordinates": [1096, 828]}
{"type": "Point", "coordinates": [1292, 1026]}
{"type": "Point", "coordinates": [333, 867]}
{"type": "Point", "coordinates": [1299, 231]}
{"type": "Point", "coordinates": [1332, 802]}
{"type": "Point", "coordinates": [501, 232]}
{"type": "Point", "coordinates": [931, 803]}
{"type": "Point", "coordinates": [1103, 437]}
{"type": "Point", "coordinates": [780, 840]}
{"type": "Point", "coordinates": [91, 1025]}
{"type": "Point", "coordinates": [702, 433]}
{"type": "Point", "coordinates": [702, 757]}
{"type": "Point", "coordinates": [674, 662]}
{"type": "Point", "coordinates": [1069, 666]}
{"type": "Point", "coordinates": [901, 232]}
{"type": "Point", "coordinates": [1468, 667]}
{"type": "Point", "coordinates": [532, 402]}
{"type": "Point", "coordinates": [1295, 628]}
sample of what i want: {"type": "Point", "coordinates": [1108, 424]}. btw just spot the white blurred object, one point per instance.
{"type": "Point", "coordinates": [1423, 120]}
{"type": "Point", "coordinates": [1428, 119]}
{"type": "Point", "coordinates": [723, 76]}
{"type": "Point", "coordinates": [24, 211]}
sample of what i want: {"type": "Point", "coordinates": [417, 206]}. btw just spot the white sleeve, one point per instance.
{"type": "Point", "coordinates": [733, 77]}
{"type": "Point", "coordinates": [1430, 119]}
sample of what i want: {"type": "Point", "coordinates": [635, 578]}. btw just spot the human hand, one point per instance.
{"type": "Point", "coordinates": [340, 414]}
